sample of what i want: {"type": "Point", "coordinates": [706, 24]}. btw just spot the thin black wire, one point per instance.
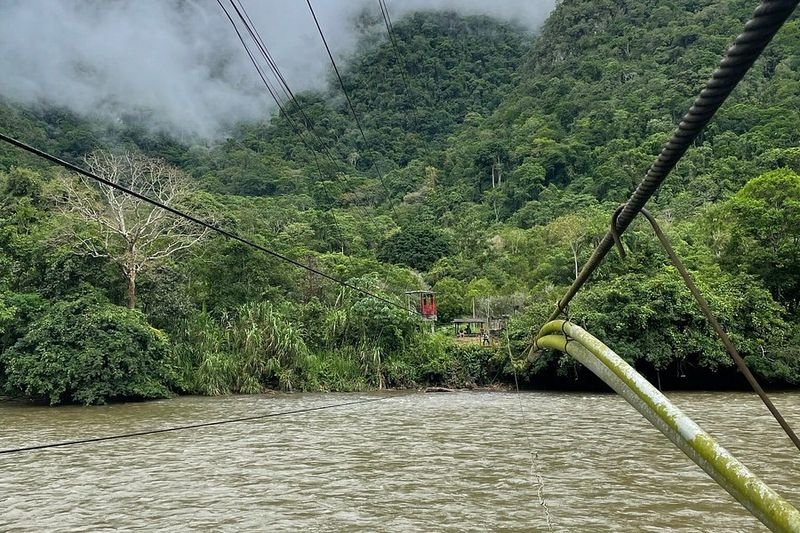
{"type": "Point", "coordinates": [272, 91]}
{"type": "Point", "coordinates": [290, 96]}
{"type": "Point", "coordinates": [191, 218]}
{"type": "Point", "coordinates": [539, 481]}
{"type": "Point", "coordinates": [261, 74]}
{"type": "Point", "coordinates": [256, 36]}
{"type": "Point", "coordinates": [387, 21]}
{"type": "Point", "coordinates": [290, 120]}
{"type": "Point", "coordinates": [767, 19]}
{"type": "Point", "coordinates": [91, 440]}
{"type": "Point", "coordinates": [350, 103]}
{"type": "Point", "coordinates": [251, 29]}
{"type": "Point", "coordinates": [241, 11]}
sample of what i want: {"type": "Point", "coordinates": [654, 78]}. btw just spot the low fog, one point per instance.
{"type": "Point", "coordinates": [178, 63]}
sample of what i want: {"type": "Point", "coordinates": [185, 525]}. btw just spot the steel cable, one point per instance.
{"type": "Point", "coordinates": [387, 21]}
{"type": "Point", "coordinates": [309, 125]}
{"type": "Point", "coordinates": [350, 105]}
{"type": "Point", "coordinates": [177, 212]}
{"type": "Point", "coordinates": [767, 19]}
{"type": "Point", "coordinates": [273, 93]}
{"type": "Point", "coordinates": [712, 319]}
{"type": "Point", "coordinates": [182, 428]}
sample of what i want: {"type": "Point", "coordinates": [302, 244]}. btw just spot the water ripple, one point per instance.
{"type": "Point", "coordinates": [419, 462]}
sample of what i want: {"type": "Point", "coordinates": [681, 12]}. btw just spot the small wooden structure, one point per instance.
{"type": "Point", "coordinates": [478, 330]}
{"type": "Point", "coordinates": [470, 327]}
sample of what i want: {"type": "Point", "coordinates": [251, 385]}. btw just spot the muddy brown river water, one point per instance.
{"type": "Point", "coordinates": [414, 462]}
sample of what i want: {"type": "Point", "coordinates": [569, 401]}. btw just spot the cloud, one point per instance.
{"type": "Point", "coordinates": [178, 63]}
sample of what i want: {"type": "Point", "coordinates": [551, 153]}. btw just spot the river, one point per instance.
{"type": "Point", "coordinates": [414, 462]}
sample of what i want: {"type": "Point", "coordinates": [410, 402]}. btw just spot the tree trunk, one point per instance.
{"type": "Point", "coordinates": [131, 279]}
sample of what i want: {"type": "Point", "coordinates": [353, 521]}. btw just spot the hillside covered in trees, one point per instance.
{"type": "Point", "coordinates": [492, 163]}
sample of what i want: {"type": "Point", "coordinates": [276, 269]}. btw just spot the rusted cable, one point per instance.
{"type": "Point", "coordinates": [767, 19]}
{"type": "Point", "coordinates": [706, 309]}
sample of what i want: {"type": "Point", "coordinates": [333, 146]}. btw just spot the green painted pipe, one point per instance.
{"type": "Point", "coordinates": [763, 502]}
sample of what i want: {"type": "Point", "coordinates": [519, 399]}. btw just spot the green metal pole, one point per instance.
{"type": "Point", "coordinates": [758, 498]}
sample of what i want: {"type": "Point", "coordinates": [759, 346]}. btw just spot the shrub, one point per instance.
{"type": "Point", "coordinates": [88, 351]}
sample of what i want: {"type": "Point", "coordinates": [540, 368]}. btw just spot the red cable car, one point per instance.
{"type": "Point", "coordinates": [427, 303]}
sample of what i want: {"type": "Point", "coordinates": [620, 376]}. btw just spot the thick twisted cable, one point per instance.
{"type": "Point", "coordinates": [758, 32]}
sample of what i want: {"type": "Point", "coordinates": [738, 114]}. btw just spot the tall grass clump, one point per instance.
{"type": "Point", "coordinates": [249, 351]}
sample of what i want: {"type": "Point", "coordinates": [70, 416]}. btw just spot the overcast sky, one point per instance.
{"type": "Point", "coordinates": [180, 60]}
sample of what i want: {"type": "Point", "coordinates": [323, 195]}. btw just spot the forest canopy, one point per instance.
{"type": "Point", "coordinates": [488, 178]}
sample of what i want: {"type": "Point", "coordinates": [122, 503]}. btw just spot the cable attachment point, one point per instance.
{"type": "Point", "coordinates": [567, 338]}
{"type": "Point", "coordinates": [564, 311]}
{"type": "Point", "coordinates": [533, 352]}
{"type": "Point", "coordinates": [615, 233]}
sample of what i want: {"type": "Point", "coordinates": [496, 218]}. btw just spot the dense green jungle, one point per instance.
{"type": "Point", "coordinates": [488, 176]}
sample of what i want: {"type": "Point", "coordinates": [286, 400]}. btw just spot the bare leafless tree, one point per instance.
{"type": "Point", "coordinates": [130, 232]}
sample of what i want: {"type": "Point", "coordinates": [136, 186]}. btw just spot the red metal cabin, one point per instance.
{"type": "Point", "coordinates": [427, 303]}
{"type": "Point", "coordinates": [427, 306]}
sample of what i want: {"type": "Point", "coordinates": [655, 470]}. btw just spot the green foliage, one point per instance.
{"type": "Point", "coordinates": [453, 66]}
{"type": "Point", "coordinates": [345, 370]}
{"type": "Point", "coordinates": [88, 351]}
{"type": "Point", "coordinates": [369, 321]}
{"type": "Point", "coordinates": [436, 360]}
{"type": "Point", "coordinates": [415, 246]}
{"type": "Point", "coordinates": [765, 237]}
{"type": "Point", "coordinates": [779, 364]}
{"type": "Point", "coordinates": [453, 364]}
{"type": "Point", "coordinates": [21, 183]}
{"type": "Point", "coordinates": [17, 312]}
{"type": "Point", "coordinates": [249, 352]}
{"type": "Point", "coordinates": [451, 299]}
{"type": "Point", "coordinates": [489, 178]}
{"type": "Point", "coordinates": [653, 319]}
